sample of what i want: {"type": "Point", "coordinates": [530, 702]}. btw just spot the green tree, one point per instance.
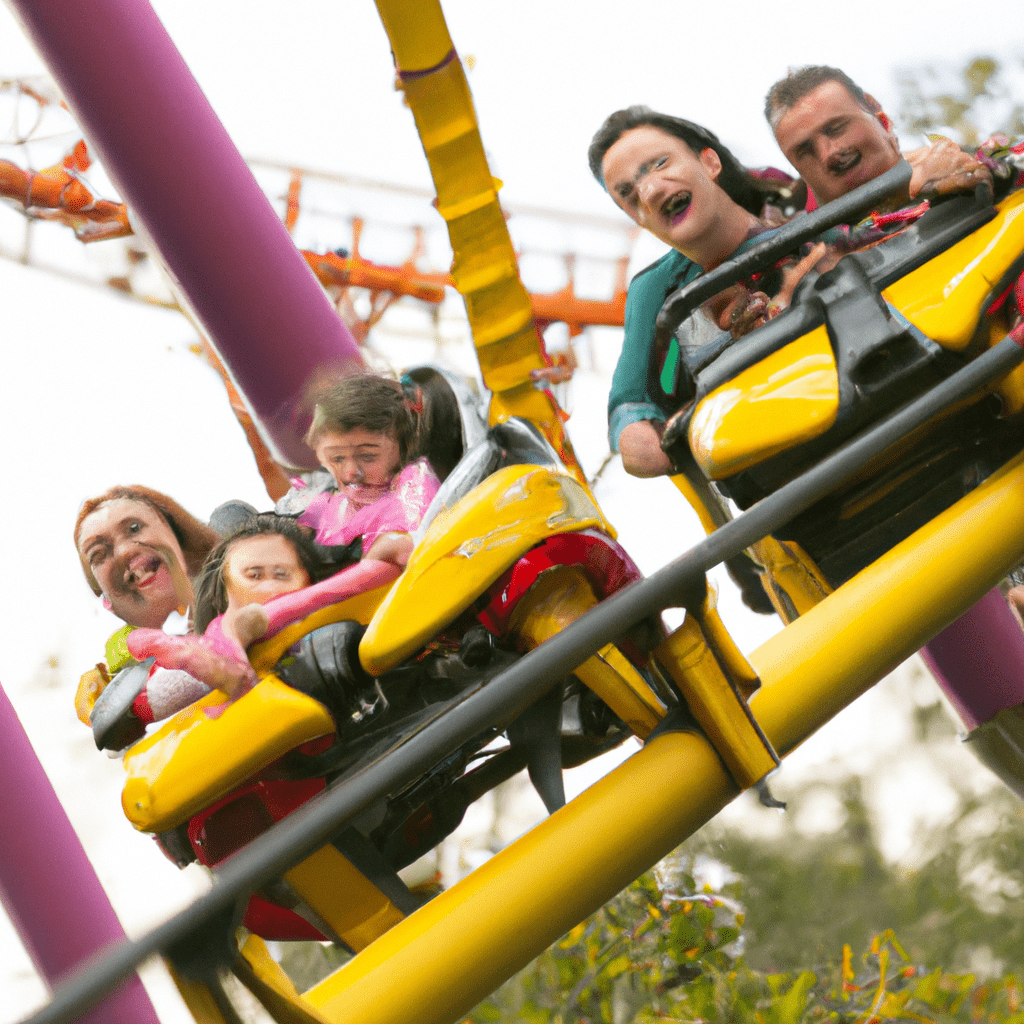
{"type": "Point", "coordinates": [776, 944]}
{"type": "Point", "coordinates": [969, 103]}
{"type": "Point", "coordinates": [810, 927]}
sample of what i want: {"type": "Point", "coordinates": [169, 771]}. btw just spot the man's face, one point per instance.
{"type": "Point", "coordinates": [834, 143]}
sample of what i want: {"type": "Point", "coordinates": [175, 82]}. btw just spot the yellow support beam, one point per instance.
{"type": "Point", "coordinates": [438, 963]}
{"type": "Point", "coordinates": [715, 701]}
{"type": "Point", "coordinates": [485, 268]}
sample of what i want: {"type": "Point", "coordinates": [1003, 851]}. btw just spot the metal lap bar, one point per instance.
{"type": "Point", "coordinates": [862, 200]}
{"type": "Point", "coordinates": [715, 679]}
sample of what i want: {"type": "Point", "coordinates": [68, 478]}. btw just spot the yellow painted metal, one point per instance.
{"type": "Point", "coordinates": [360, 608]}
{"type": "Point", "coordinates": [263, 976]}
{"type": "Point", "coordinates": [1010, 388]}
{"type": "Point", "coordinates": [791, 579]}
{"type": "Point", "coordinates": [196, 995]}
{"type": "Point", "coordinates": [792, 395]}
{"type": "Point", "coordinates": [485, 268]}
{"type": "Point", "coordinates": [697, 502]}
{"type": "Point", "coordinates": [892, 607]}
{"type": "Point", "coordinates": [612, 676]}
{"type": "Point", "coordinates": [721, 642]}
{"type": "Point", "coordinates": [447, 956]}
{"type": "Point", "coordinates": [716, 703]}
{"type": "Point", "coordinates": [560, 596]}
{"type": "Point", "coordinates": [466, 548]}
{"type": "Point", "coordinates": [439, 962]}
{"type": "Point", "coordinates": [784, 400]}
{"type": "Point", "coordinates": [208, 749]}
{"type": "Point", "coordinates": [790, 569]}
{"type": "Point", "coordinates": [344, 897]}
{"type": "Point", "coordinates": [945, 297]}
{"type": "Point", "coordinates": [418, 33]}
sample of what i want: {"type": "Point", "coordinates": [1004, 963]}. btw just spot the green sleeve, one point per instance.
{"type": "Point", "coordinates": [630, 399]}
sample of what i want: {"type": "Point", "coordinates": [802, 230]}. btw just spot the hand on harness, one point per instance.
{"type": "Point", "coordinates": [739, 309]}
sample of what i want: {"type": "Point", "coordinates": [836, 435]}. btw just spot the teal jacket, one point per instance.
{"type": "Point", "coordinates": [636, 383]}
{"type": "Point", "coordinates": [631, 398]}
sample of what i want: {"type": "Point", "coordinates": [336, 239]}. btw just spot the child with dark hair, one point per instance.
{"type": "Point", "coordinates": [255, 582]}
{"type": "Point", "coordinates": [369, 432]}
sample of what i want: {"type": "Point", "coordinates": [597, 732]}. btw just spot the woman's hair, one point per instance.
{"type": "Point", "coordinates": [743, 188]}
{"type": "Point", "coordinates": [195, 537]}
{"type": "Point", "coordinates": [371, 402]}
{"type": "Point", "coordinates": [210, 586]}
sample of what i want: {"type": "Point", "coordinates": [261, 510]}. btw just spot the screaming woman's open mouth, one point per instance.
{"type": "Point", "coordinates": [677, 204]}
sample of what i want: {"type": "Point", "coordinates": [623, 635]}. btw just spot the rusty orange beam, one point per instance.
{"type": "Point", "coordinates": [56, 194]}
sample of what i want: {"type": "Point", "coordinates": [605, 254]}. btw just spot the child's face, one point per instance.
{"type": "Point", "coordinates": [359, 457]}
{"type": "Point", "coordinates": [259, 568]}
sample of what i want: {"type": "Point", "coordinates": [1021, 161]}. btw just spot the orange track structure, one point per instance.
{"type": "Point", "coordinates": [57, 193]}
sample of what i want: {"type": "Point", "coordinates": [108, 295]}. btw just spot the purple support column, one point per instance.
{"type": "Point", "coordinates": [47, 885]}
{"type": "Point", "coordinates": [188, 187]}
{"type": "Point", "coordinates": [979, 660]}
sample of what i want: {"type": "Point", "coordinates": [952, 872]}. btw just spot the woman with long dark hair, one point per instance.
{"type": "Point", "coordinates": [678, 181]}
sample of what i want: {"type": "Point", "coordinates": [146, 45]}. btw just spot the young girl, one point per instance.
{"type": "Point", "coordinates": [365, 432]}
{"type": "Point", "coordinates": [368, 432]}
{"type": "Point", "coordinates": [255, 582]}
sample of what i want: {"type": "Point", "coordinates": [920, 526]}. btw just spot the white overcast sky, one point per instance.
{"type": "Point", "coordinates": [94, 390]}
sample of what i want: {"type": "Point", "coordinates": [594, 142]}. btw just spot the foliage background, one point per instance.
{"type": "Point", "coordinates": [813, 921]}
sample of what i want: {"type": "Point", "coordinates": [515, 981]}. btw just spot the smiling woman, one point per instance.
{"type": "Point", "coordinates": [120, 536]}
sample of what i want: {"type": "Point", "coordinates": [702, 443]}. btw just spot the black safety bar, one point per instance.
{"type": "Point", "coordinates": [846, 210]}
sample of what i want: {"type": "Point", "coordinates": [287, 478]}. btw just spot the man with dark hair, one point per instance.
{"type": "Point", "coordinates": [838, 137]}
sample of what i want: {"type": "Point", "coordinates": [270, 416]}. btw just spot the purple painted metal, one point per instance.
{"type": "Point", "coordinates": [188, 187]}
{"type": "Point", "coordinates": [47, 885]}
{"type": "Point", "coordinates": [978, 661]}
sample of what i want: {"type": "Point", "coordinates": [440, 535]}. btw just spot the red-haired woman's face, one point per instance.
{"type": "Point", "coordinates": [663, 185]}
{"type": "Point", "coordinates": [121, 543]}
{"type": "Point", "coordinates": [261, 567]}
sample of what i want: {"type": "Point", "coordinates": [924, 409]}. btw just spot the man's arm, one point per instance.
{"type": "Point", "coordinates": [943, 167]}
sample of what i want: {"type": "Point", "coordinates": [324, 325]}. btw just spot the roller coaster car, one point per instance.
{"type": "Point", "coordinates": [512, 548]}
{"type": "Point", "coordinates": [879, 329]}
